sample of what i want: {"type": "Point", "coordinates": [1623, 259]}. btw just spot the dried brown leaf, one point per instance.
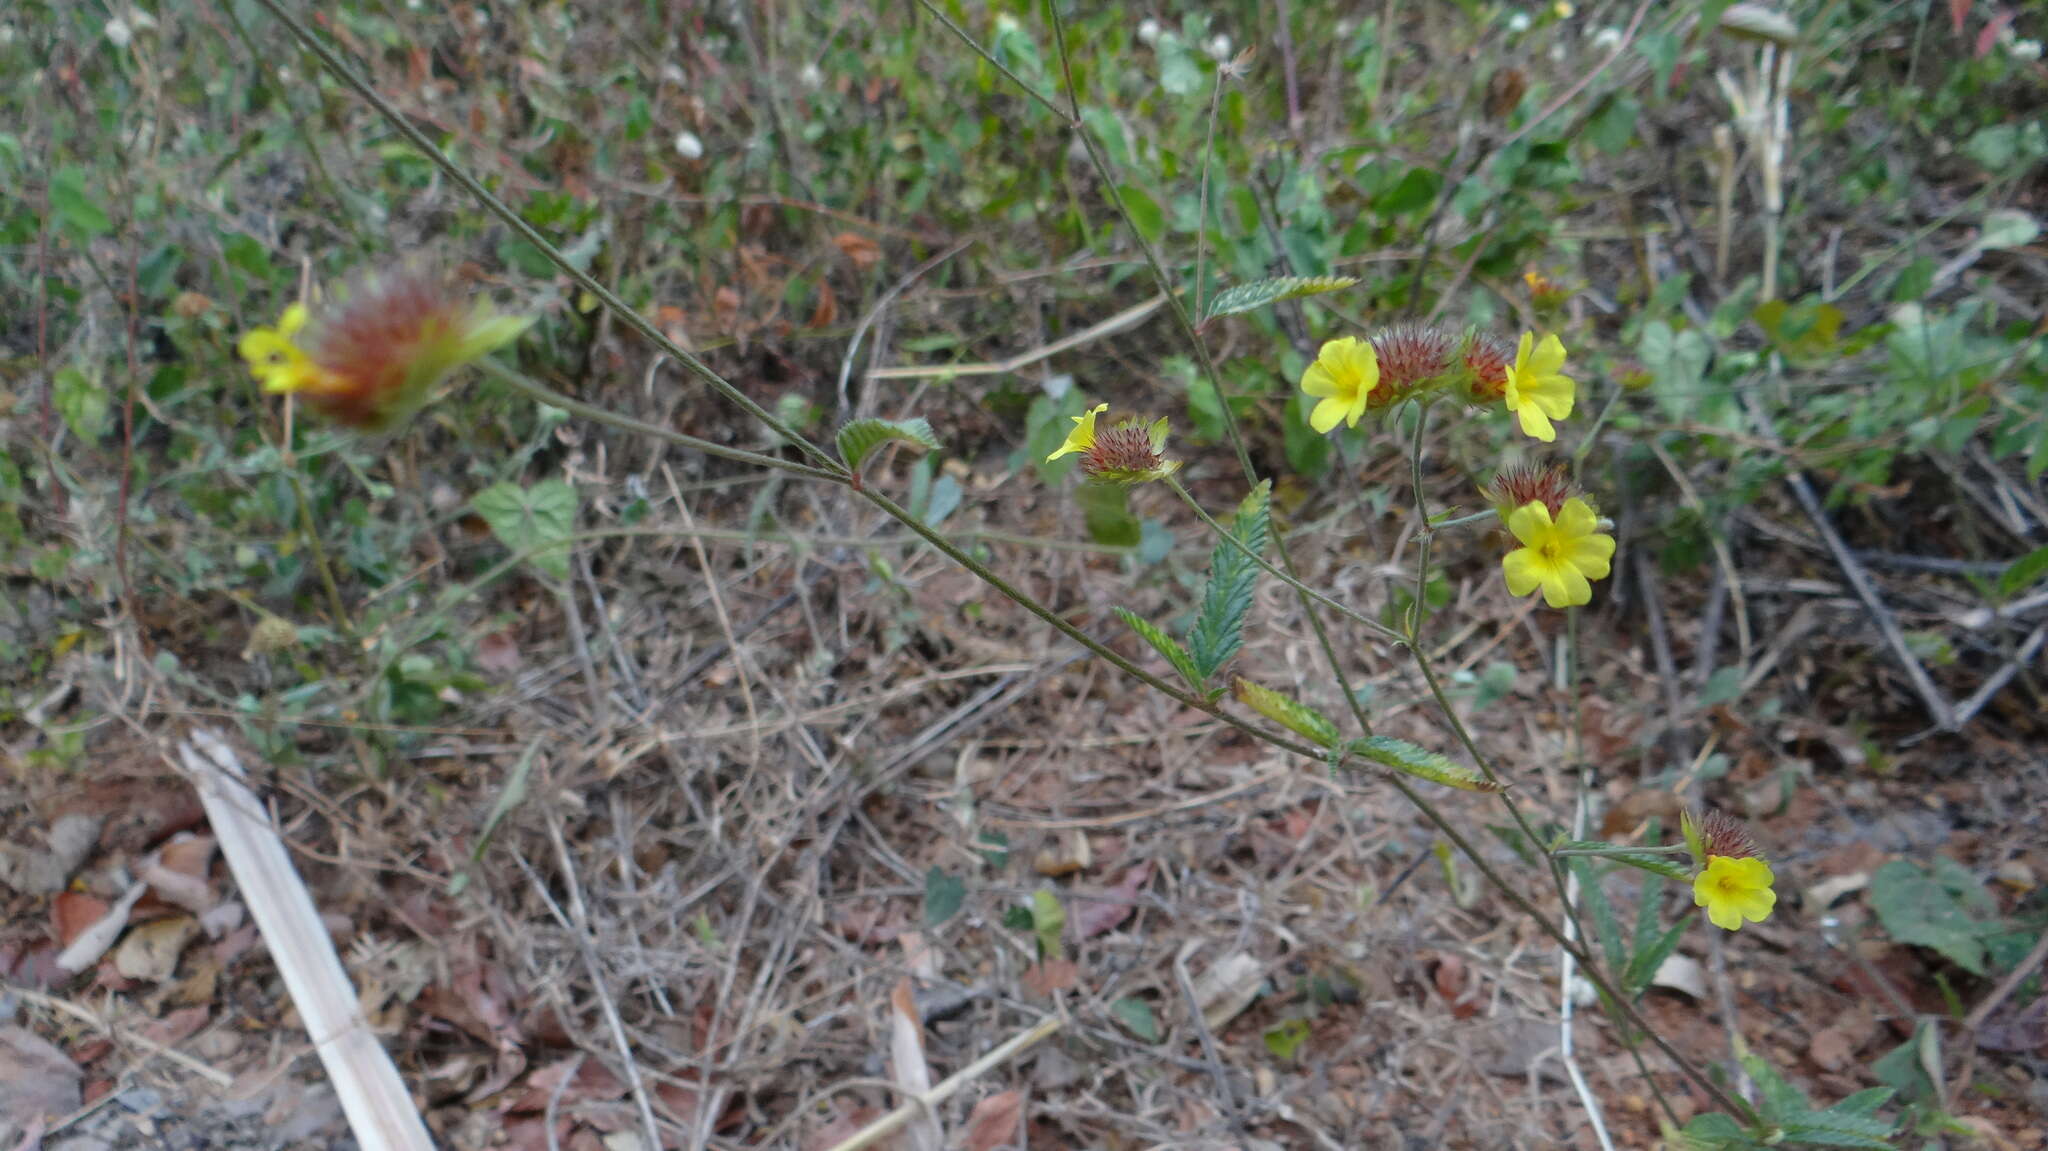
{"type": "Point", "coordinates": [1097, 916]}
{"type": "Point", "coordinates": [993, 1122]}
{"type": "Point", "coordinates": [150, 953]}
{"type": "Point", "coordinates": [36, 1078]}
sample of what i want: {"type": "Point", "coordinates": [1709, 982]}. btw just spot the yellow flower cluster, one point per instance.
{"type": "Point", "coordinates": [1351, 376]}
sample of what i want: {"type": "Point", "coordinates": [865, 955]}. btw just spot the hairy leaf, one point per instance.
{"type": "Point", "coordinates": [1219, 630]}
{"type": "Point", "coordinates": [1835, 1129]}
{"type": "Point", "coordinates": [1408, 759]}
{"type": "Point", "coordinates": [1287, 711]}
{"type": "Point", "coordinates": [859, 438]}
{"type": "Point", "coordinates": [1668, 866]}
{"type": "Point", "coordinates": [1258, 293]}
{"type": "Point", "coordinates": [1165, 645]}
{"type": "Point", "coordinates": [532, 519]}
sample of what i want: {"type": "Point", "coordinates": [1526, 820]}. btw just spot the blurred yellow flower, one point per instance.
{"type": "Point", "coordinates": [1343, 377]}
{"type": "Point", "coordinates": [1537, 392]}
{"type": "Point", "coordinates": [1735, 890]}
{"type": "Point", "coordinates": [1083, 436]}
{"type": "Point", "coordinates": [376, 355]}
{"type": "Point", "coordinates": [1562, 555]}
{"type": "Point", "coordinates": [276, 359]}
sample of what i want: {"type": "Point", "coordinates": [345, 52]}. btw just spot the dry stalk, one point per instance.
{"type": "Point", "coordinates": [379, 1109]}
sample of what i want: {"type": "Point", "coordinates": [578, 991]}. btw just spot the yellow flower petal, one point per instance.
{"type": "Point", "coordinates": [1523, 569]}
{"type": "Point", "coordinates": [1083, 436]}
{"type": "Point", "coordinates": [1530, 523]}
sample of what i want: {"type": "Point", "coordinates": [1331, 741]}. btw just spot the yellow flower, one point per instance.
{"type": "Point", "coordinates": [1561, 556]}
{"type": "Point", "coordinates": [1734, 890]}
{"type": "Point", "coordinates": [1083, 436]}
{"type": "Point", "coordinates": [1537, 392]}
{"type": "Point", "coordinates": [1343, 377]}
{"type": "Point", "coordinates": [278, 362]}
{"type": "Point", "coordinates": [375, 356]}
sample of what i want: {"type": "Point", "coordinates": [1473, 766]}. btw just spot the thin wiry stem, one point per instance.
{"type": "Point", "coordinates": [1224, 533]}
{"type": "Point", "coordinates": [1202, 202]}
{"type": "Point", "coordinates": [541, 393]}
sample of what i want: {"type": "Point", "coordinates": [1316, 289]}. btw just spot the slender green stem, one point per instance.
{"type": "Point", "coordinates": [1202, 201]}
{"type": "Point", "coordinates": [541, 393]}
{"type": "Point", "coordinates": [310, 529]}
{"type": "Point", "coordinates": [1224, 533]}
{"type": "Point", "coordinates": [513, 220]}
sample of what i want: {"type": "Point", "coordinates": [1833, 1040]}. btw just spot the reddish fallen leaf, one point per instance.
{"type": "Point", "coordinates": [1454, 982]}
{"type": "Point", "coordinates": [36, 1079]}
{"type": "Point", "coordinates": [498, 653]}
{"type": "Point", "coordinates": [178, 1026]}
{"type": "Point", "coordinates": [725, 307]}
{"type": "Point", "coordinates": [74, 911]}
{"type": "Point", "coordinates": [859, 249]}
{"type": "Point", "coordinates": [1097, 916]}
{"type": "Point", "coordinates": [1052, 975]}
{"type": "Point", "coordinates": [993, 1122]}
{"type": "Point", "coordinates": [1988, 38]}
{"type": "Point", "coordinates": [844, 1125]}
{"type": "Point", "coordinates": [592, 1081]}
{"type": "Point", "coordinates": [827, 312]}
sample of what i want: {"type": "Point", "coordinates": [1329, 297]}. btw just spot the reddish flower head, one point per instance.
{"type": "Point", "coordinates": [1488, 359]}
{"type": "Point", "coordinates": [1519, 486]}
{"type": "Point", "coordinates": [1412, 356]}
{"type": "Point", "coordinates": [375, 356]}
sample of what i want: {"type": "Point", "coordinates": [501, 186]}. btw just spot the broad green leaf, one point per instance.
{"type": "Point", "coordinates": [1219, 629]}
{"type": "Point", "coordinates": [82, 401]}
{"type": "Point", "coordinates": [1643, 965]}
{"type": "Point", "coordinates": [859, 438]}
{"type": "Point", "coordinates": [1136, 1016]}
{"type": "Point", "coordinates": [1048, 921]}
{"type": "Point", "coordinates": [1145, 212]}
{"type": "Point", "coordinates": [1865, 1102]}
{"type": "Point", "coordinates": [1917, 908]}
{"type": "Point", "coordinates": [1259, 293]}
{"type": "Point", "coordinates": [1283, 1041]}
{"type": "Point", "coordinates": [2022, 573]}
{"type": "Point", "coordinates": [1287, 711]}
{"type": "Point", "coordinates": [2006, 228]}
{"type": "Point", "coordinates": [943, 895]}
{"type": "Point", "coordinates": [525, 519]}
{"type": "Point", "coordinates": [1714, 1130]}
{"type": "Point", "coordinates": [1165, 645]}
{"type": "Point", "coordinates": [1416, 190]}
{"type": "Point", "coordinates": [75, 207]}
{"type": "Point", "coordinates": [1408, 759]}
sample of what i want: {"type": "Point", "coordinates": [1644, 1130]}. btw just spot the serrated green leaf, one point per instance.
{"type": "Point", "coordinates": [1219, 629]}
{"type": "Point", "coordinates": [1136, 1016]}
{"type": "Point", "coordinates": [1668, 866]}
{"type": "Point", "coordinates": [1642, 966]}
{"type": "Point", "coordinates": [2022, 572]}
{"type": "Point", "coordinates": [859, 438]}
{"type": "Point", "coordinates": [82, 401]}
{"type": "Point", "coordinates": [1164, 644]}
{"type": "Point", "coordinates": [943, 895]}
{"type": "Point", "coordinates": [525, 519]}
{"type": "Point", "coordinates": [1256, 294]}
{"type": "Point", "coordinates": [1833, 1129]}
{"type": "Point", "coordinates": [1864, 1102]}
{"type": "Point", "coordinates": [1287, 711]}
{"type": "Point", "coordinates": [1594, 896]}
{"type": "Point", "coordinates": [1781, 1100]}
{"type": "Point", "coordinates": [1408, 759]}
